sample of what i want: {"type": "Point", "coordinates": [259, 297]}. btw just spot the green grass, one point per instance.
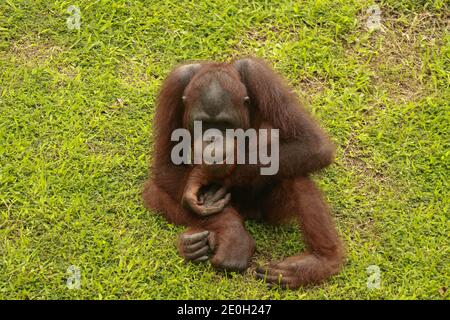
{"type": "Point", "coordinates": [75, 142]}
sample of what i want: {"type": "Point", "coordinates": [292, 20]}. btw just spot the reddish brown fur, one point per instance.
{"type": "Point", "coordinates": [304, 148]}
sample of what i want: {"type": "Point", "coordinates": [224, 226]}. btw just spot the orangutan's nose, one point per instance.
{"type": "Point", "coordinates": [221, 118]}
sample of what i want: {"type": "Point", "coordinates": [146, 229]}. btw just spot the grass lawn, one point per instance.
{"type": "Point", "coordinates": [75, 142]}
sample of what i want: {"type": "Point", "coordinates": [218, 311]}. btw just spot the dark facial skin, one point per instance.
{"type": "Point", "coordinates": [216, 108]}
